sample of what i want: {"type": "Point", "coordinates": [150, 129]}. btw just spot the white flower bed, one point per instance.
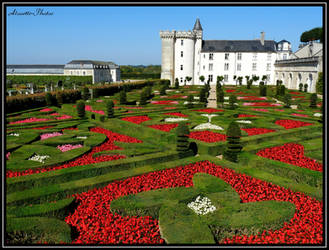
{"type": "Point", "coordinates": [244, 121]}
{"type": "Point", "coordinates": [14, 134]}
{"type": "Point", "coordinates": [208, 126]}
{"type": "Point", "coordinates": [39, 158]}
{"type": "Point", "coordinates": [226, 97]}
{"type": "Point", "coordinates": [81, 137]}
{"type": "Point", "coordinates": [229, 103]}
{"type": "Point", "coordinates": [202, 206]}
{"type": "Point", "coordinates": [175, 119]}
{"type": "Point", "coordinates": [196, 98]}
{"type": "Point", "coordinates": [317, 114]}
{"type": "Point", "coordinates": [188, 102]}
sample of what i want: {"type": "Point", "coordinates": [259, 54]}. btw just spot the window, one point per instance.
{"type": "Point", "coordinates": [269, 57]}
{"type": "Point", "coordinates": [204, 67]}
{"type": "Point", "coordinates": [268, 67]}
{"type": "Point", "coordinates": [181, 79]}
{"type": "Point", "coordinates": [181, 42]}
{"type": "Point", "coordinates": [284, 56]}
{"type": "Point", "coordinates": [210, 66]}
{"type": "Point", "coordinates": [181, 54]}
{"type": "Point", "coordinates": [181, 67]}
{"type": "Point", "coordinates": [225, 78]}
{"type": "Point", "coordinates": [211, 56]}
{"type": "Point", "coordinates": [238, 67]}
{"type": "Point", "coordinates": [268, 78]}
{"type": "Point", "coordinates": [254, 57]}
{"type": "Point", "coordinates": [210, 78]}
{"type": "Point", "coordinates": [254, 66]}
{"type": "Point", "coordinates": [226, 56]}
{"type": "Point", "coordinates": [239, 56]}
{"type": "Point", "coordinates": [204, 56]}
{"type": "Point", "coordinates": [84, 72]}
{"type": "Point", "coordinates": [226, 66]}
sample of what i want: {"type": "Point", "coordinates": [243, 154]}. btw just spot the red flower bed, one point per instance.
{"type": "Point", "coordinates": [170, 108]}
{"type": "Point", "coordinates": [262, 110]}
{"type": "Point", "coordinates": [164, 102]}
{"type": "Point", "coordinates": [209, 110]}
{"type": "Point", "coordinates": [245, 115]}
{"type": "Point", "coordinates": [207, 136]}
{"type": "Point", "coordinates": [230, 90]}
{"type": "Point", "coordinates": [302, 115]}
{"type": "Point", "coordinates": [136, 119]}
{"type": "Point", "coordinates": [294, 93]}
{"type": "Point", "coordinates": [32, 119]}
{"type": "Point", "coordinates": [289, 124]}
{"type": "Point", "coordinates": [46, 110]}
{"type": "Point", "coordinates": [177, 97]}
{"type": "Point", "coordinates": [176, 114]}
{"type": "Point", "coordinates": [90, 109]}
{"type": "Point", "coordinates": [45, 127]}
{"type": "Point", "coordinates": [298, 97]}
{"type": "Point", "coordinates": [96, 224]}
{"type": "Point", "coordinates": [164, 127]}
{"type": "Point", "coordinates": [291, 153]}
{"type": "Point", "coordinates": [257, 131]}
{"type": "Point", "coordinates": [88, 157]}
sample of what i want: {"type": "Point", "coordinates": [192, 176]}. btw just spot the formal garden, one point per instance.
{"type": "Point", "coordinates": [148, 163]}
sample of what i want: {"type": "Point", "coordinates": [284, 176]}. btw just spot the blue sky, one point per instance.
{"type": "Point", "coordinates": [130, 34]}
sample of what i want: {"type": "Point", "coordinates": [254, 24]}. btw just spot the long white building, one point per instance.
{"type": "Point", "coordinates": [186, 54]}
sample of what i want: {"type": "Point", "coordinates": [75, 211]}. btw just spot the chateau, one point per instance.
{"type": "Point", "coordinates": [99, 70]}
{"type": "Point", "coordinates": [186, 54]}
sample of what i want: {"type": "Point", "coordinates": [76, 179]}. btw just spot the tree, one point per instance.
{"type": "Point", "coordinates": [312, 35]}
{"type": "Point", "coordinates": [188, 78]}
{"type": "Point", "coordinates": [301, 87]}
{"type": "Point", "coordinates": [255, 78]}
{"type": "Point", "coordinates": [60, 98]}
{"type": "Point", "coordinates": [282, 90]}
{"type": "Point", "coordinates": [313, 100]}
{"type": "Point", "coordinates": [81, 109]}
{"type": "Point", "coordinates": [249, 83]}
{"type": "Point", "coordinates": [49, 99]}
{"type": "Point", "coordinates": [235, 79]}
{"type": "Point", "coordinates": [123, 97]}
{"type": "Point", "coordinates": [182, 133]}
{"type": "Point", "coordinates": [262, 89]}
{"type": "Point", "coordinates": [264, 78]}
{"type": "Point", "coordinates": [110, 109]}
{"type": "Point", "coordinates": [234, 146]}
{"type": "Point", "coordinates": [240, 78]}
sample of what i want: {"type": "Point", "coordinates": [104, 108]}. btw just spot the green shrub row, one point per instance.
{"type": "Point", "coordinates": [24, 102]}
{"type": "Point", "coordinates": [19, 184]}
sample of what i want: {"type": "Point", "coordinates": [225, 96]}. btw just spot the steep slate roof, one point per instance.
{"type": "Point", "coordinates": [197, 25]}
{"type": "Point", "coordinates": [238, 46]}
{"type": "Point", "coordinates": [284, 41]}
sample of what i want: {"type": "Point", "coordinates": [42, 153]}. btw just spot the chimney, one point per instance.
{"type": "Point", "coordinates": [262, 38]}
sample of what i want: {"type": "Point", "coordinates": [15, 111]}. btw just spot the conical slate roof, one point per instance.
{"type": "Point", "coordinates": [197, 25]}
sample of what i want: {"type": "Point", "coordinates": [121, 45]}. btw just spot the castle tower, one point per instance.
{"type": "Point", "coordinates": [168, 55]}
{"type": "Point", "coordinates": [181, 54]}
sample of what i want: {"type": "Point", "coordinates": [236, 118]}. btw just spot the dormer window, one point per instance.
{"type": "Point", "coordinates": [181, 42]}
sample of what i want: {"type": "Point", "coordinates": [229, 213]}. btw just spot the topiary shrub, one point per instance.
{"type": "Point", "coordinates": [49, 99]}
{"type": "Point", "coordinates": [202, 95]}
{"type": "Point", "coordinates": [176, 83]}
{"type": "Point", "coordinates": [143, 98]}
{"type": "Point", "coordinates": [163, 90]}
{"type": "Point", "coordinates": [59, 98]}
{"type": "Point", "coordinates": [305, 87]}
{"type": "Point", "coordinates": [232, 99]}
{"type": "Point", "coordinates": [182, 133]}
{"type": "Point", "coordinates": [220, 97]}
{"type": "Point", "coordinates": [313, 100]}
{"type": "Point", "coordinates": [123, 97]}
{"type": "Point", "coordinates": [287, 100]}
{"type": "Point", "coordinates": [190, 100]}
{"type": "Point", "coordinates": [102, 118]}
{"type": "Point", "coordinates": [282, 90]}
{"type": "Point", "coordinates": [234, 146]}
{"type": "Point", "coordinates": [262, 90]}
{"type": "Point", "coordinates": [110, 109]}
{"type": "Point", "coordinates": [301, 87]}
{"type": "Point", "coordinates": [85, 93]}
{"type": "Point", "coordinates": [81, 109]}
{"type": "Point", "coordinates": [92, 116]}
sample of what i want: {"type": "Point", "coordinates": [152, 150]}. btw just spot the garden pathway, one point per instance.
{"type": "Point", "coordinates": [212, 103]}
